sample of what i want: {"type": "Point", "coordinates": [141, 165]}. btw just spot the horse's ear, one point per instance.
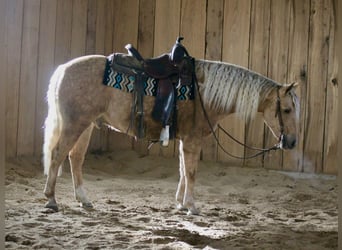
{"type": "Point", "coordinates": [293, 85]}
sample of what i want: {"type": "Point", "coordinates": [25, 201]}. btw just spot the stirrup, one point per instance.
{"type": "Point", "coordinates": [164, 136]}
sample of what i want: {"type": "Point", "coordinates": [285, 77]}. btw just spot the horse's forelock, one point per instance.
{"type": "Point", "coordinates": [296, 103]}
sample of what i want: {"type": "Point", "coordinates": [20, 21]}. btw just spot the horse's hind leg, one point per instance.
{"type": "Point", "coordinates": [66, 141]}
{"type": "Point", "coordinates": [76, 158]}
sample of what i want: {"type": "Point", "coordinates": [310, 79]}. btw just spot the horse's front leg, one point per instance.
{"type": "Point", "coordinates": [188, 163]}
{"type": "Point", "coordinates": [181, 183]}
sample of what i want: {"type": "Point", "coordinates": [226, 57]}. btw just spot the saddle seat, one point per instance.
{"type": "Point", "coordinates": [160, 67]}
{"type": "Point", "coordinates": [178, 62]}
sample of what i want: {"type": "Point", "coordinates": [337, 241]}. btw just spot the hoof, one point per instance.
{"type": "Point", "coordinates": [190, 211]}
{"type": "Point", "coordinates": [193, 211]}
{"type": "Point", "coordinates": [87, 205]}
{"type": "Point", "coordinates": [52, 206]}
{"type": "Point", "coordinates": [180, 207]}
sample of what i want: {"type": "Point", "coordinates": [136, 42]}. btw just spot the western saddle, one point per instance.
{"type": "Point", "coordinates": [171, 70]}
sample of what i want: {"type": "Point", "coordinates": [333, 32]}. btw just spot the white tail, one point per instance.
{"type": "Point", "coordinates": [52, 126]}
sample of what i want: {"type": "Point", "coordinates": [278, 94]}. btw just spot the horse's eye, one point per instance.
{"type": "Point", "coordinates": [287, 110]}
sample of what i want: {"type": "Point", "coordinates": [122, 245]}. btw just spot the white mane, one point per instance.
{"type": "Point", "coordinates": [227, 86]}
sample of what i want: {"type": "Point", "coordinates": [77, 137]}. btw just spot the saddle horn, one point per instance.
{"type": "Point", "coordinates": [178, 51]}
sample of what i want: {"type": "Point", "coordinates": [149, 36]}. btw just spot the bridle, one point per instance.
{"type": "Point", "coordinates": [261, 150]}
{"type": "Point", "coordinates": [280, 118]}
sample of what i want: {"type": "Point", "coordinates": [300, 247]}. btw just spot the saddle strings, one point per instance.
{"type": "Point", "coordinates": [262, 150]}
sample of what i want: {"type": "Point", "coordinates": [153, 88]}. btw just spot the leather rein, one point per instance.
{"type": "Point", "coordinates": [261, 150]}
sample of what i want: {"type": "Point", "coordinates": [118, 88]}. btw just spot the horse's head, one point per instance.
{"type": "Point", "coordinates": [281, 114]}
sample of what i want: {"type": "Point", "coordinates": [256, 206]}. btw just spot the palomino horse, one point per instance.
{"type": "Point", "coordinates": [78, 100]}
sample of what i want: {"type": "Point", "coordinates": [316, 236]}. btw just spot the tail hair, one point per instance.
{"type": "Point", "coordinates": [52, 125]}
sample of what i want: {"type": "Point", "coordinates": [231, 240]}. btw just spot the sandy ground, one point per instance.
{"type": "Point", "coordinates": [134, 208]}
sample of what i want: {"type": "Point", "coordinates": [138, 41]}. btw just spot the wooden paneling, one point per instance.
{"type": "Point", "coordinates": [297, 72]}
{"type": "Point", "coordinates": [147, 10]}
{"type": "Point", "coordinates": [213, 51]}
{"type": "Point", "coordinates": [63, 31]}
{"type": "Point", "coordinates": [167, 22]}
{"type": "Point", "coordinates": [192, 28]}
{"type": "Point", "coordinates": [28, 78]}
{"type": "Point", "coordinates": [3, 73]}
{"type": "Point", "coordinates": [317, 83]}
{"type": "Point", "coordinates": [167, 29]}
{"type": "Point", "coordinates": [286, 40]}
{"type": "Point", "coordinates": [46, 65]}
{"type": "Point", "coordinates": [214, 30]}
{"type": "Point", "coordinates": [79, 28]}
{"type": "Point", "coordinates": [331, 110]}
{"type": "Point", "coordinates": [109, 29]}
{"type": "Point", "coordinates": [277, 65]}
{"type": "Point", "coordinates": [235, 50]}
{"type": "Point", "coordinates": [14, 17]}
{"type": "Point", "coordinates": [258, 61]}
{"type": "Point", "coordinates": [91, 27]}
{"type": "Point", "coordinates": [125, 30]}
{"type": "Point", "coordinates": [146, 27]}
{"type": "Point", "coordinates": [97, 25]}
{"type": "Point", "coordinates": [126, 17]}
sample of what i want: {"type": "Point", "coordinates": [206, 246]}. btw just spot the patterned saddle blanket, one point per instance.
{"type": "Point", "coordinates": [125, 83]}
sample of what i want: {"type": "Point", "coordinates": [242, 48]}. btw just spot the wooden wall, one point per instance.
{"type": "Point", "coordinates": [288, 40]}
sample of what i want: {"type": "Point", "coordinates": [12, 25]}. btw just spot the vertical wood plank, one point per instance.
{"type": "Point", "coordinates": [258, 61]}
{"type": "Point", "coordinates": [92, 44]}
{"type": "Point", "coordinates": [95, 45]}
{"type": "Point", "coordinates": [99, 138]}
{"type": "Point", "coordinates": [108, 49]}
{"type": "Point", "coordinates": [79, 28]}
{"type": "Point", "coordinates": [214, 30]}
{"type": "Point", "coordinates": [297, 72]}
{"type": "Point", "coordinates": [14, 20]}
{"type": "Point", "coordinates": [3, 73]}
{"type": "Point", "coordinates": [167, 29]}
{"type": "Point", "coordinates": [46, 65]}
{"type": "Point", "coordinates": [277, 65]}
{"type": "Point", "coordinates": [91, 28]}
{"type": "Point", "coordinates": [167, 22]}
{"type": "Point", "coordinates": [28, 78]}
{"type": "Point", "coordinates": [213, 51]}
{"type": "Point", "coordinates": [338, 40]}
{"type": "Point", "coordinates": [146, 27]}
{"type": "Point", "coordinates": [125, 18]}
{"type": "Point", "coordinates": [145, 47]}
{"type": "Point", "coordinates": [63, 31]}
{"type": "Point", "coordinates": [192, 28]}
{"type": "Point", "coordinates": [330, 165]}
{"type": "Point", "coordinates": [100, 26]}
{"type": "Point", "coordinates": [235, 50]}
{"type": "Point", "coordinates": [315, 108]}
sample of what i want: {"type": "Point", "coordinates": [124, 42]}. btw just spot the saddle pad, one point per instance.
{"type": "Point", "coordinates": [125, 83]}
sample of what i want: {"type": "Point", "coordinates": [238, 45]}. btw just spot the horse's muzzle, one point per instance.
{"type": "Point", "coordinates": [288, 141]}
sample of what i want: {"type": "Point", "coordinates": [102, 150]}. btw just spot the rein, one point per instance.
{"type": "Point", "coordinates": [262, 151]}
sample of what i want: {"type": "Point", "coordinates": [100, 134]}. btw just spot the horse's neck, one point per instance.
{"type": "Point", "coordinates": [230, 97]}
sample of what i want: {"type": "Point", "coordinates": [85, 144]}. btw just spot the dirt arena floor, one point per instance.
{"type": "Point", "coordinates": [134, 208]}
